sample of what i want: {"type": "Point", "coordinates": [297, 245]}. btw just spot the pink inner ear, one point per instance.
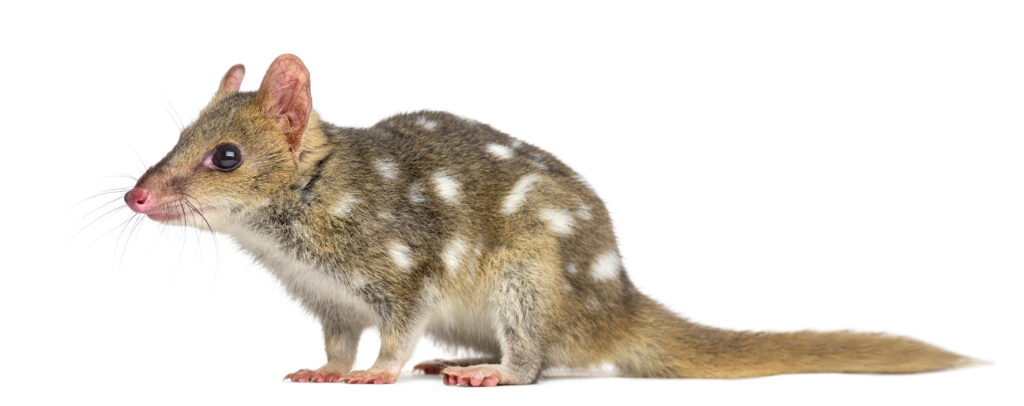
{"type": "Point", "coordinates": [285, 93]}
{"type": "Point", "coordinates": [232, 80]}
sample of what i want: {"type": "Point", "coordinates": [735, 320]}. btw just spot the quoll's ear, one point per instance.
{"type": "Point", "coordinates": [231, 81]}
{"type": "Point", "coordinates": [285, 94]}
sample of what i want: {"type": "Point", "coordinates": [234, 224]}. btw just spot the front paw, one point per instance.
{"type": "Point", "coordinates": [309, 375]}
{"type": "Point", "coordinates": [377, 377]}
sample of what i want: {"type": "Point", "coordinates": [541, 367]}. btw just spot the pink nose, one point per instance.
{"type": "Point", "coordinates": [139, 200]}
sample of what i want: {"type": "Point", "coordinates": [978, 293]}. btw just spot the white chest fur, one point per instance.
{"type": "Point", "coordinates": [310, 284]}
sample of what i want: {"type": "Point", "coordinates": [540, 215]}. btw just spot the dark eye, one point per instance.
{"type": "Point", "coordinates": [226, 157]}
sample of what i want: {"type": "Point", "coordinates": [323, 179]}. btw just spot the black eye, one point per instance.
{"type": "Point", "coordinates": [226, 157]}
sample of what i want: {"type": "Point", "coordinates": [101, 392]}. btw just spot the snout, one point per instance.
{"type": "Point", "coordinates": [140, 200]}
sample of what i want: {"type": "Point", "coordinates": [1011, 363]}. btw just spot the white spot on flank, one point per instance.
{"type": "Point", "coordinates": [344, 205]}
{"type": "Point", "coordinates": [453, 253]}
{"type": "Point", "coordinates": [571, 268]}
{"type": "Point", "coordinates": [446, 187]}
{"type": "Point", "coordinates": [356, 280]}
{"type": "Point", "coordinates": [606, 266]}
{"type": "Point", "coordinates": [559, 221]}
{"type": "Point", "coordinates": [426, 123]}
{"type": "Point", "coordinates": [518, 193]}
{"type": "Point", "coordinates": [416, 193]}
{"type": "Point", "coordinates": [500, 151]}
{"type": "Point", "coordinates": [401, 255]}
{"type": "Point", "coordinates": [387, 168]}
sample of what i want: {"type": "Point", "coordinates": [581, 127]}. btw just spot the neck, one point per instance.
{"type": "Point", "coordinates": [314, 145]}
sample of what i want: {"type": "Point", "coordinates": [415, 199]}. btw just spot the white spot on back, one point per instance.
{"type": "Point", "coordinates": [515, 197]}
{"type": "Point", "coordinates": [583, 211]}
{"type": "Point", "coordinates": [416, 193]}
{"type": "Point", "coordinates": [559, 221]}
{"type": "Point", "coordinates": [516, 143]}
{"type": "Point", "coordinates": [446, 187]}
{"type": "Point", "coordinates": [500, 151]}
{"type": "Point", "coordinates": [606, 266]}
{"type": "Point", "coordinates": [453, 253]}
{"type": "Point", "coordinates": [401, 255]}
{"type": "Point", "coordinates": [344, 205]}
{"type": "Point", "coordinates": [537, 159]}
{"type": "Point", "coordinates": [387, 168]}
{"type": "Point", "coordinates": [426, 123]}
{"type": "Point", "coordinates": [571, 268]}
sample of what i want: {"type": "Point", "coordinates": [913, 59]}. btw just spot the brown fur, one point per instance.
{"type": "Point", "coordinates": [415, 226]}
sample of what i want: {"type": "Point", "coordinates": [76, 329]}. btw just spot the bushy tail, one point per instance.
{"type": "Point", "coordinates": [664, 345]}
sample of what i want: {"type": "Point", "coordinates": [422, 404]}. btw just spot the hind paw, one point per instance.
{"type": "Point", "coordinates": [480, 375]}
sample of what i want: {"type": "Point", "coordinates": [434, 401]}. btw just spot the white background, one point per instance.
{"type": "Point", "coordinates": [769, 165]}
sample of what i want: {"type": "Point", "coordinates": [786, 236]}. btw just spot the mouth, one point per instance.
{"type": "Point", "coordinates": [172, 213]}
{"type": "Point", "coordinates": [163, 216]}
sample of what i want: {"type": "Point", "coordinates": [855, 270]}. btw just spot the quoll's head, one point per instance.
{"type": "Point", "coordinates": [243, 147]}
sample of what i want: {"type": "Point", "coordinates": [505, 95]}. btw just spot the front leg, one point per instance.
{"type": "Point", "coordinates": [341, 340]}
{"type": "Point", "coordinates": [398, 339]}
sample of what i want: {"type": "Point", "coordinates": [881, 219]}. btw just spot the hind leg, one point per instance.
{"type": "Point", "coordinates": [518, 304]}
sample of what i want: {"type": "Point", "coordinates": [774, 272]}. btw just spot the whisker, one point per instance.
{"type": "Point", "coordinates": [130, 218]}
{"type": "Point", "coordinates": [213, 234]}
{"type": "Point", "coordinates": [87, 225]}
{"type": "Point", "coordinates": [128, 240]}
{"type": "Point", "coordinates": [137, 155]}
{"type": "Point", "coordinates": [116, 200]}
{"type": "Point", "coordinates": [117, 242]}
{"type": "Point", "coordinates": [199, 212]}
{"type": "Point", "coordinates": [177, 122]}
{"type": "Point", "coordinates": [101, 193]}
{"type": "Point", "coordinates": [199, 237]}
{"type": "Point", "coordinates": [121, 175]}
{"type": "Point", "coordinates": [181, 124]}
{"type": "Point", "coordinates": [184, 240]}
